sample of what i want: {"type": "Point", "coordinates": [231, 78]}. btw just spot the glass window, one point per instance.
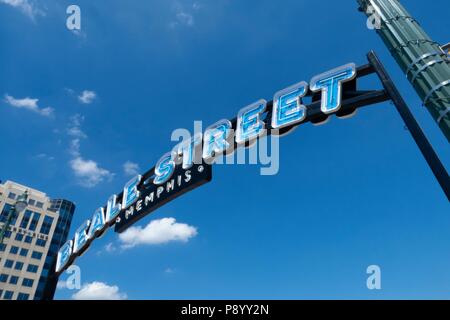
{"type": "Point", "coordinates": [8, 295]}
{"type": "Point", "coordinates": [14, 250]}
{"type": "Point", "coordinates": [1, 292]}
{"type": "Point", "coordinates": [8, 234]}
{"type": "Point", "coordinates": [19, 237]}
{"type": "Point", "coordinates": [32, 268]}
{"type": "Point", "coordinates": [39, 293]}
{"type": "Point", "coordinates": [3, 277]}
{"type": "Point", "coordinates": [13, 280]}
{"type": "Point", "coordinates": [12, 195]}
{"type": "Point", "coordinates": [44, 273]}
{"type": "Point", "coordinates": [41, 242]}
{"type": "Point", "coordinates": [26, 219]}
{"type": "Point", "coordinates": [22, 296]}
{"type": "Point", "coordinates": [39, 204]}
{"type": "Point", "coordinates": [36, 255]}
{"type": "Point", "coordinates": [53, 250]}
{"type": "Point", "coordinates": [46, 225]}
{"type": "Point", "coordinates": [5, 212]}
{"type": "Point", "coordinates": [34, 221]}
{"type": "Point", "coordinates": [9, 263]}
{"type": "Point", "coordinates": [28, 239]}
{"type": "Point", "coordinates": [31, 202]}
{"type": "Point", "coordinates": [19, 265]}
{"type": "Point", "coordinates": [2, 247]}
{"type": "Point", "coordinates": [27, 282]}
{"type": "Point", "coordinates": [23, 252]}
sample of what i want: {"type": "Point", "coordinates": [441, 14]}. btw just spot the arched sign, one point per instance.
{"type": "Point", "coordinates": [188, 165]}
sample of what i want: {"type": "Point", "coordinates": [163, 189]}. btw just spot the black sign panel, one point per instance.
{"type": "Point", "coordinates": [153, 196]}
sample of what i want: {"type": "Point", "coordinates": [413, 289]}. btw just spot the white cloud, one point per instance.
{"type": "Point", "coordinates": [157, 232]}
{"type": "Point", "coordinates": [87, 97]}
{"type": "Point", "coordinates": [169, 271]}
{"type": "Point", "coordinates": [99, 291]}
{"type": "Point", "coordinates": [74, 129]}
{"type": "Point", "coordinates": [197, 6]}
{"type": "Point", "coordinates": [184, 15]}
{"type": "Point", "coordinates": [131, 168]}
{"type": "Point", "coordinates": [69, 91]}
{"type": "Point", "coordinates": [110, 247]}
{"type": "Point", "coordinates": [185, 18]}
{"type": "Point", "coordinates": [44, 156]}
{"type": "Point", "coordinates": [88, 172]}
{"type": "Point", "coordinates": [74, 148]}
{"type": "Point", "coordinates": [26, 6]}
{"type": "Point", "coordinates": [28, 104]}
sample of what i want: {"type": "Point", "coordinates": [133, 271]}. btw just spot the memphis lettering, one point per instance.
{"type": "Point", "coordinates": [287, 111]}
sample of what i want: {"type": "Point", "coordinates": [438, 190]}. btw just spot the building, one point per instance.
{"type": "Point", "coordinates": [65, 209]}
{"type": "Point", "coordinates": [31, 243]}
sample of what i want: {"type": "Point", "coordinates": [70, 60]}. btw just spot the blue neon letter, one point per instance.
{"type": "Point", "coordinates": [80, 239]}
{"type": "Point", "coordinates": [164, 168]}
{"type": "Point", "coordinates": [249, 124]}
{"type": "Point", "coordinates": [287, 108]}
{"type": "Point", "coordinates": [130, 192]}
{"type": "Point", "coordinates": [98, 223]}
{"type": "Point", "coordinates": [330, 83]}
{"type": "Point", "coordinates": [187, 150]}
{"type": "Point", "coordinates": [215, 139]}
{"type": "Point", "coordinates": [112, 209]}
{"type": "Point", "coordinates": [63, 256]}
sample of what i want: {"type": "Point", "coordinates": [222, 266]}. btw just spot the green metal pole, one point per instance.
{"type": "Point", "coordinates": [7, 223]}
{"type": "Point", "coordinates": [423, 61]}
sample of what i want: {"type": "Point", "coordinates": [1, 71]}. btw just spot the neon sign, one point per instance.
{"type": "Point", "coordinates": [180, 170]}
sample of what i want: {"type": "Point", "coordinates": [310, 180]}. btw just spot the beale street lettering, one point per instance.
{"type": "Point", "coordinates": [153, 197]}
{"type": "Point", "coordinates": [141, 197]}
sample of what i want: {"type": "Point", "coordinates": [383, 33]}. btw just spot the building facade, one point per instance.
{"type": "Point", "coordinates": [31, 243]}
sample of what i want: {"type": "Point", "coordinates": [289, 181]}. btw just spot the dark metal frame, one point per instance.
{"type": "Point", "coordinates": [354, 99]}
{"type": "Point", "coordinates": [419, 137]}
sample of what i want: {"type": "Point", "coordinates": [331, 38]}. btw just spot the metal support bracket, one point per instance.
{"type": "Point", "coordinates": [419, 137]}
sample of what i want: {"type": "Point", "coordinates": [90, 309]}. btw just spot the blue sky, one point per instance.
{"type": "Point", "coordinates": [349, 194]}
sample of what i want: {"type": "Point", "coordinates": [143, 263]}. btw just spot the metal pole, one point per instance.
{"type": "Point", "coordinates": [421, 140]}
{"type": "Point", "coordinates": [424, 62]}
